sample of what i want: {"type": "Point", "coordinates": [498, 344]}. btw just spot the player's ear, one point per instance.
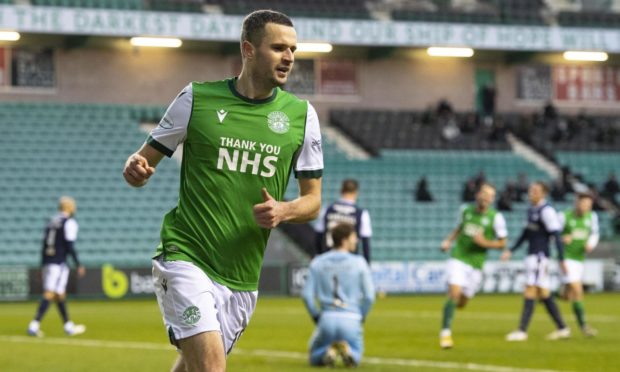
{"type": "Point", "coordinates": [247, 49]}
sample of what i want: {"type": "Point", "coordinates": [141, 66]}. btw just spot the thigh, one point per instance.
{"type": "Point", "coordinates": [353, 334]}
{"type": "Point", "coordinates": [235, 309]}
{"type": "Point", "coordinates": [203, 352]}
{"type": "Point", "coordinates": [186, 299]}
{"type": "Point", "coordinates": [474, 279]}
{"type": "Point", "coordinates": [457, 273]}
{"type": "Point", "coordinates": [574, 273]}
{"type": "Point", "coordinates": [537, 271]}
{"type": "Point", "coordinates": [51, 275]}
{"type": "Point", "coordinates": [63, 278]}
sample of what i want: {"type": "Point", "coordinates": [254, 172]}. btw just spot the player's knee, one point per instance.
{"type": "Point", "coordinates": [61, 297]}
{"type": "Point", "coordinates": [49, 295]}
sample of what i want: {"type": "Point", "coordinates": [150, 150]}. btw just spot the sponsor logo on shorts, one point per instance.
{"type": "Point", "coordinates": [191, 315]}
{"type": "Point", "coordinates": [278, 122]}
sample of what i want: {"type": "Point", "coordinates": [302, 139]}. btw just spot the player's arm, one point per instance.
{"type": "Point", "coordinates": [447, 242]}
{"type": "Point", "coordinates": [507, 253]}
{"type": "Point", "coordinates": [368, 291]}
{"type": "Point", "coordinates": [365, 234]}
{"type": "Point", "coordinates": [594, 237]}
{"type": "Point", "coordinates": [71, 231]}
{"type": "Point", "coordinates": [162, 141]}
{"type": "Point", "coordinates": [308, 295]}
{"type": "Point", "coordinates": [319, 242]}
{"type": "Point", "coordinates": [270, 213]}
{"type": "Point", "coordinates": [501, 235]}
{"type": "Point", "coordinates": [567, 238]}
{"type": "Point", "coordinates": [308, 171]}
{"type": "Point", "coordinates": [551, 221]}
{"type": "Point", "coordinates": [140, 166]}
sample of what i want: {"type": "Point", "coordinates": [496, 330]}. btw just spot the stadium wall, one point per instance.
{"type": "Point", "coordinates": [405, 81]}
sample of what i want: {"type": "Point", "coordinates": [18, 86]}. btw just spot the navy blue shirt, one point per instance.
{"type": "Point", "coordinates": [348, 212]}
{"type": "Point", "coordinates": [56, 244]}
{"type": "Point", "coordinates": [542, 223]}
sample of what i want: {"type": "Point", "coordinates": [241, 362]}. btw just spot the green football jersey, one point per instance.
{"type": "Point", "coordinates": [490, 224]}
{"type": "Point", "coordinates": [233, 147]}
{"type": "Point", "coordinates": [580, 229]}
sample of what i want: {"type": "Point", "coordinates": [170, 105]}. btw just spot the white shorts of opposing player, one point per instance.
{"type": "Point", "coordinates": [465, 276]}
{"type": "Point", "coordinates": [55, 278]}
{"type": "Point", "coordinates": [537, 271]}
{"type": "Point", "coordinates": [192, 303]}
{"type": "Point", "coordinates": [574, 272]}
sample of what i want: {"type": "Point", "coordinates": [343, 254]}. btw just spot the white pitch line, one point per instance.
{"type": "Point", "coordinates": [267, 353]}
{"type": "Point", "coordinates": [474, 315]}
{"type": "Point", "coordinates": [397, 362]}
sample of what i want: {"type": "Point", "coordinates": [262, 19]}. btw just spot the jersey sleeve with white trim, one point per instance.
{"type": "Point", "coordinates": [172, 128]}
{"type": "Point", "coordinates": [499, 226]}
{"type": "Point", "coordinates": [71, 230]}
{"type": "Point", "coordinates": [365, 226]}
{"type": "Point", "coordinates": [594, 232]}
{"type": "Point", "coordinates": [550, 218]}
{"type": "Point", "coordinates": [309, 163]}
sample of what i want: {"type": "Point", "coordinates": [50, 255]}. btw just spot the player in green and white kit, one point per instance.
{"type": "Point", "coordinates": [581, 235]}
{"type": "Point", "coordinates": [243, 137]}
{"type": "Point", "coordinates": [480, 228]}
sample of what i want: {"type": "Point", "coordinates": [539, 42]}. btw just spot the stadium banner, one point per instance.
{"type": "Point", "coordinates": [219, 27]}
{"type": "Point", "coordinates": [14, 283]}
{"type": "Point", "coordinates": [111, 282]}
{"type": "Point", "coordinates": [431, 276]}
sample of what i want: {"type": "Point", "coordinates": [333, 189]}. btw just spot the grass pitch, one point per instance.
{"type": "Point", "coordinates": [401, 334]}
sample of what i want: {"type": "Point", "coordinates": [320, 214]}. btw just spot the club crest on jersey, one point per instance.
{"type": "Point", "coordinates": [278, 122]}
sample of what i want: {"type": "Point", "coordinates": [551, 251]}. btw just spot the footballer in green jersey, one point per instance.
{"type": "Point", "coordinates": [242, 139]}
{"type": "Point", "coordinates": [580, 233]}
{"type": "Point", "coordinates": [480, 228]}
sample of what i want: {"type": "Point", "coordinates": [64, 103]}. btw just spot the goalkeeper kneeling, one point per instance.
{"type": "Point", "coordinates": [342, 283]}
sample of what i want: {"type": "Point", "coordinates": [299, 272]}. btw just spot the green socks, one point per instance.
{"type": "Point", "coordinates": [448, 313]}
{"type": "Point", "coordinates": [579, 313]}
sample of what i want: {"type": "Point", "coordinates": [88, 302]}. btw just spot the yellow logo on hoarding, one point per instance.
{"type": "Point", "coordinates": [114, 282]}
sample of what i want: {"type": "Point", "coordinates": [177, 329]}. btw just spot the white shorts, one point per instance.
{"type": "Point", "coordinates": [575, 272]}
{"type": "Point", "coordinates": [55, 278]}
{"type": "Point", "coordinates": [465, 276]}
{"type": "Point", "coordinates": [537, 271]}
{"type": "Point", "coordinates": [192, 303]}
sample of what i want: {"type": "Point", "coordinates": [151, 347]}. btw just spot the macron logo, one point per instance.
{"type": "Point", "coordinates": [221, 114]}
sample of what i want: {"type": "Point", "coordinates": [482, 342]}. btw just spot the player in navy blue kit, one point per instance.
{"type": "Point", "coordinates": [542, 224]}
{"type": "Point", "coordinates": [345, 210]}
{"type": "Point", "coordinates": [58, 243]}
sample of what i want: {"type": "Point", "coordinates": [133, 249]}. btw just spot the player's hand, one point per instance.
{"type": "Point", "coordinates": [137, 170]}
{"type": "Point", "coordinates": [567, 239]}
{"type": "Point", "coordinates": [506, 254]}
{"type": "Point", "coordinates": [445, 245]}
{"type": "Point", "coordinates": [589, 248]}
{"type": "Point", "coordinates": [563, 267]}
{"type": "Point", "coordinates": [81, 271]}
{"type": "Point", "coordinates": [268, 214]}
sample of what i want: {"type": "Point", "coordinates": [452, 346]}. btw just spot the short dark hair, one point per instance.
{"type": "Point", "coordinates": [543, 185]}
{"type": "Point", "coordinates": [349, 185]}
{"type": "Point", "coordinates": [585, 194]}
{"type": "Point", "coordinates": [253, 28]}
{"type": "Point", "coordinates": [341, 232]}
